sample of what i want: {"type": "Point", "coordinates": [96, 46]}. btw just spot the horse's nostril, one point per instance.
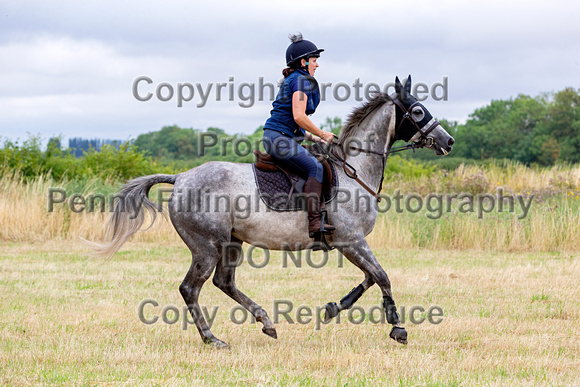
{"type": "Point", "coordinates": [451, 141]}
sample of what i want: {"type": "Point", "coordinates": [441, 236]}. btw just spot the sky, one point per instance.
{"type": "Point", "coordinates": [70, 68]}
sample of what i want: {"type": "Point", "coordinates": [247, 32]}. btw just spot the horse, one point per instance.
{"type": "Point", "coordinates": [209, 235]}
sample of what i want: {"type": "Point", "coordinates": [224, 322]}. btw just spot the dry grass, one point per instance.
{"type": "Point", "coordinates": [552, 224]}
{"type": "Point", "coordinates": [25, 216]}
{"type": "Point", "coordinates": [509, 319]}
{"type": "Point", "coordinates": [508, 287]}
{"type": "Point", "coordinates": [513, 177]}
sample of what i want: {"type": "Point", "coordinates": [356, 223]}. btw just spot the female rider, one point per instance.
{"type": "Point", "coordinates": [289, 125]}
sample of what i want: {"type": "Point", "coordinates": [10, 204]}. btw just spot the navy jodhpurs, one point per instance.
{"type": "Point", "coordinates": [290, 153]}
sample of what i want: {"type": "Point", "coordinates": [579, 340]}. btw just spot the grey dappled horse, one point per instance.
{"type": "Point", "coordinates": [210, 234]}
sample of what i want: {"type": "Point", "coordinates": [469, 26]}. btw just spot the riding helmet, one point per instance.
{"type": "Point", "coordinates": [300, 48]}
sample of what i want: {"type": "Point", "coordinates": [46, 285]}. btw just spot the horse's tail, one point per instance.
{"type": "Point", "coordinates": [128, 215]}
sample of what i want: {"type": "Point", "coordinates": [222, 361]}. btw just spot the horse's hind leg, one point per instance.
{"type": "Point", "coordinates": [332, 309]}
{"type": "Point", "coordinates": [201, 268]}
{"type": "Point", "coordinates": [225, 279]}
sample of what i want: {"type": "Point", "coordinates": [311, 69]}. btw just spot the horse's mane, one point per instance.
{"type": "Point", "coordinates": [359, 114]}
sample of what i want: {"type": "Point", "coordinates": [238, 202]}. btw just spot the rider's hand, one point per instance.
{"type": "Point", "coordinates": [327, 137]}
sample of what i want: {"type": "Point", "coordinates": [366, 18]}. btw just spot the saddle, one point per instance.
{"type": "Point", "coordinates": [281, 187]}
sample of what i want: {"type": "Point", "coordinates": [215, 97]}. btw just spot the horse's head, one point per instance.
{"type": "Point", "coordinates": [416, 124]}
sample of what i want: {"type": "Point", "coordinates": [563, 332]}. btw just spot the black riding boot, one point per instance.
{"type": "Point", "coordinates": [313, 191]}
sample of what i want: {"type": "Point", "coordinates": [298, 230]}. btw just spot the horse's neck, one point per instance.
{"type": "Point", "coordinates": [375, 133]}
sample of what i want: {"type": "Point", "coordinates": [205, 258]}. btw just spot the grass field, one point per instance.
{"type": "Point", "coordinates": [508, 286]}
{"type": "Point", "coordinates": [509, 318]}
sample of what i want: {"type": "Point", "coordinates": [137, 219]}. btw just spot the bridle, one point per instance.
{"type": "Point", "coordinates": [423, 141]}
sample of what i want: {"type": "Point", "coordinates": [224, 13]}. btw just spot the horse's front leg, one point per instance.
{"type": "Point", "coordinates": [332, 310]}
{"type": "Point", "coordinates": [361, 255]}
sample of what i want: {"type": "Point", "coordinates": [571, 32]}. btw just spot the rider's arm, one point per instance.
{"type": "Point", "coordinates": [299, 100]}
{"type": "Point", "coordinates": [310, 137]}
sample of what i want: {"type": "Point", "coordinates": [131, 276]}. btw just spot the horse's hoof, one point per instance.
{"type": "Point", "coordinates": [270, 332]}
{"type": "Point", "coordinates": [330, 311]}
{"type": "Point", "coordinates": [217, 343]}
{"type": "Point", "coordinates": [399, 334]}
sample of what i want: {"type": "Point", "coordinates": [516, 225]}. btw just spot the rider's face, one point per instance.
{"type": "Point", "coordinates": [312, 65]}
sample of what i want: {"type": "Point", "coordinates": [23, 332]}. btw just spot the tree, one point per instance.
{"type": "Point", "coordinates": [564, 115]}
{"type": "Point", "coordinates": [332, 124]}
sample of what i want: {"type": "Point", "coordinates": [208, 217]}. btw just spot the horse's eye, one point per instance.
{"type": "Point", "coordinates": [418, 114]}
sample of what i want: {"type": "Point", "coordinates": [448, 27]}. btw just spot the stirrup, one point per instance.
{"type": "Point", "coordinates": [323, 220]}
{"type": "Point", "coordinates": [320, 243]}
{"type": "Point", "coordinates": [320, 236]}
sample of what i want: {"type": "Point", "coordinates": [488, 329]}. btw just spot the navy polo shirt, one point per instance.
{"type": "Point", "coordinates": [281, 117]}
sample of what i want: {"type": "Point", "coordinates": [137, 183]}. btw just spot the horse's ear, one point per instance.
{"type": "Point", "coordinates": [408, 84]}
{"type": "Point", "coordinates": [398, 86]}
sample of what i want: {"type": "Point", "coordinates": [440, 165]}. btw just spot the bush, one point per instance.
{"type": "Point", "coordinates": [407, 168]}
{"type": "Point", "coordinates": [28, 161]}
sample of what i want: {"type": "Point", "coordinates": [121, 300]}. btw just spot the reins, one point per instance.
{"type": "Point", "coordinates": [350, 171]}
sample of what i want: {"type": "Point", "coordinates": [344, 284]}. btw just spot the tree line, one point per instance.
{"type": "Point", "coordinates": [542, 130]}
{"type": "Point", "coordinates": [78, 146]}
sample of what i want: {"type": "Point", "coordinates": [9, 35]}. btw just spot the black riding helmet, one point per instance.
{"type": "Point", "coordinates": [299, 49]}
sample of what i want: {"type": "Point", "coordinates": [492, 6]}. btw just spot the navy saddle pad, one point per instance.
{"type": "Point", "coordinates": [279, 193]}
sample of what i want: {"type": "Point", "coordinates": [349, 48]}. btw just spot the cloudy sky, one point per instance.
{"type": "Point", "coordinates": [68, 67]}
